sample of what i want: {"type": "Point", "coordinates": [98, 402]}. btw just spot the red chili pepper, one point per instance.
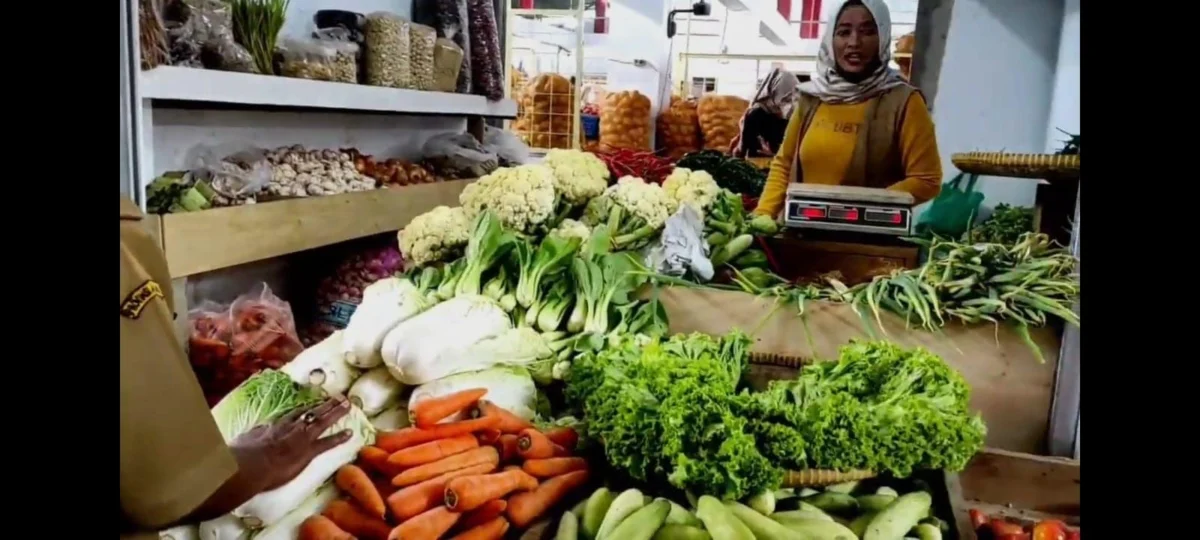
{"type": "Point", "coordinates": [978, 519]}
{"type": "Point", "coordinates": [1001, 527]}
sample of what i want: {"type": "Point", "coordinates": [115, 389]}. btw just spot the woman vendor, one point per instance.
{"type": "Point", "coordinates": [857, 122]}
{"type": "Point", "coordinates": [765, 122]}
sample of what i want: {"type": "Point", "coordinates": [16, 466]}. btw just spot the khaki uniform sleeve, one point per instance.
{"type": "Point", "coordinates": [775, 190]}
{"type": "Point", "coordinates": [919, 153]}
{"type": "Point", "coordinates": [172, 455]}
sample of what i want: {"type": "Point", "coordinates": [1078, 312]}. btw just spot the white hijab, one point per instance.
{"type": "Point", "coordinates": [829, 86]}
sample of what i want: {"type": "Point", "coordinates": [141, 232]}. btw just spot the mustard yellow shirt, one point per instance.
{"type": "Point", "coordinates": [829, 143]}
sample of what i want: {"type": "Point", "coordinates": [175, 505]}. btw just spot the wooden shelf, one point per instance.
{"type": "Point", "coordinates": [197, 242]}
{"type": "Point", "coordinates": [180, 84]}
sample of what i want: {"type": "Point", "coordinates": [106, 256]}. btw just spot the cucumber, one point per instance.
{"type": "Point", "coordinates": [720, 522]}
{"type": "Point", "coordinates": [941, 525]}
{"type": "Point", "coordinates": [628, 502]}
{"type": "Point", "coordinates": [642, 524]}
{"type": "Point", "coordinates": [675, 531]}
{"type": "Point", "coordinates": [833, 502]}
{"type": "Point", "coordinates": [819, 529]}
{"type": "Point", "coordinates": [691, 499]}
{"type": "Point", "coordinates": [568, 527]}
{"type": "Point", "coordinates": [786, 493]}
{"type": "Point", "coordinates": [926, 531]}
{"type": "Point", "coordinates": [844, 487]}
{"type": "Point", "coordinates": [593, 512]}
{"type": "Point", "coordinates": [899, 517]}
{"type": "Point", "coordinates": [859, 525]}
{"type": "Point", "coordinates": [791, 515]}
{"type": "Point", "coordinates": [808, 492]}
{"type": "Point", "coordinates": [884, 490]}
{"type": "Point", "coordinates": [874, 503]}
{"type": "Point", "coordinates": [795, 503]}
{"type": "Point", "coordinates": [764, 528]}
{"type": "Point", "coordinates": [763, 503]}
{"type": "Point", "coordinates": [579, 508]}
{"type": "Point", "coordinates": [681, 516]}
{"type": "Point", "coordinates": [717, 239]}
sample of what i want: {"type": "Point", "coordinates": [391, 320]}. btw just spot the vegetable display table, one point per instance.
{"type": "Point", "coordinates": [857, 261]}
{"type": "Point", "coordinates": [1016, 487]}
{"type": "Point", "coordinates": [1009, 387]}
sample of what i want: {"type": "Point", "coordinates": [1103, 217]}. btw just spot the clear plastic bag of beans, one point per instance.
{"type": "Point", "coordinates": [423, 40]}
{"type": "Point", "coordinates": [449, 18]}
{"type": "Point", "coordinates": [388, 58]}
{"type": "Point", "coordinates": [447, 61]}
{"type": "Point", "coordinates": [487, 73]}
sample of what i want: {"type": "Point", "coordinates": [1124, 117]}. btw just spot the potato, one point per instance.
{"type": "Point", "coordinates": [679, 128]}
{"type": "Point", "coordinates": [625, 121]}
{"type": "Point", "coordinates": [719, 119]}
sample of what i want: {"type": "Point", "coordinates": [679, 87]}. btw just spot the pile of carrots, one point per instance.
{"type": "Point", "coordinates": [471, 479]}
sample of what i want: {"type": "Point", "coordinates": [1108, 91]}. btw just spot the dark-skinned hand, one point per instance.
{"type": "Point", "coordinates": [274, 454]}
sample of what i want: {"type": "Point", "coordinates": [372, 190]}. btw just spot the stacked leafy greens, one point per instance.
{"type": "Point", "coordinates": [670, 411]}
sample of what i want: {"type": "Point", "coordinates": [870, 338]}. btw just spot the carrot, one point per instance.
{"type": "Point", "coordinates": [507, 447]}
{"type": "Point", "coordinates": [394, 441]}
{"type": "Point", "coordinates": [375, 458]}
{"type": "Point", "coordinates": [321, 528]}
{"type": "Point", "coordinates": [564, 436]}
{"type": "Point", "coordinates": [549, 467]}
{"type": "Point", "coordinates": [428, 526]}
{"type": "Point", "coordinates": [492, 530]}
{"type": "Point", "coordinates": [384, 487]}
{"type": "Point", "coordinates": [509, 422]}
{"type": "Point", "coordinates": [489, 511]}
{"type": "Point", "coordinates": [525, 508]}
{"type": "Point", "coordinates": [488, 437]}
{"type": "Point", "coordinates": [355, 521]}
{"type": "Point", "coordinates": [532, 444]}
{"type": "Point", "coordinates": [355, 482]}
{"type": "Point", "coordinates": [432, 451]}
{"type": "Point", "coordinates": [417, 498]}
{"type": "Point", "coordinates": [429, 412]}
{"type": "Point", "coordinates": [480, 456]}
{"type": "Point", "coordinates": [467, 493]}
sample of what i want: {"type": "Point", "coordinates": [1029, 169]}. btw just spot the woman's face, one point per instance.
{"type": "Point", "coordinates": [855, 39]}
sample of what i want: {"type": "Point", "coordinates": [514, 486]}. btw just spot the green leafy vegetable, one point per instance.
{"type": "Point", "coordinates": [553, 255]}
{"type": "Point", "coordinates": [488, 245]}
{"type": "Point", "coordinates": [259, 400]}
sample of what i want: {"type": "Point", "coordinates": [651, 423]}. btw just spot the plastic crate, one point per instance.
{"type": "Point", "coordinates": [591, 126]}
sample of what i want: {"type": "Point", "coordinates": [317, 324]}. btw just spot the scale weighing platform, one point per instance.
{"type": "Point", "coordinates": [849, 209]}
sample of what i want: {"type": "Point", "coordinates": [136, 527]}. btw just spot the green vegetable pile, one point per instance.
{"type": "Point", "coordinates": [669, 411]}
{"type": "Point", "coordinates": [176, 192]}
{"type": "Point", "coordinates": [735, 174]}
{"type": "Point", "coordinates": [1004, 226]}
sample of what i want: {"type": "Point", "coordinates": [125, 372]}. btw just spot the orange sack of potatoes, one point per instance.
{"type": "Point", "coordinates": [679, 128]}
{"type": "Point", "coordinates": [719, 118]}
{"type": "Point", "coordinates": [625, 121]}
{"type": "Point", "coordinates": [547, 115]}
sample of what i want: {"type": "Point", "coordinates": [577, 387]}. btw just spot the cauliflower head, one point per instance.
{"type": "Point", "coordinates": [570, 228]}
{"type": "Point", "coordinates": [578, 176]}
{"type": "Point", "coordinates": [522, 197]}
{"type": "Point", "coordinates": [644, 200]}
{"type": "Point", "coordinates": [695, 188]}
{"type": "Point", "coordinates": [437, 235]}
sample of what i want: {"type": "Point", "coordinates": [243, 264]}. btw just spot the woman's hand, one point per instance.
{"type": "Point", "coordinates": [277, 453]}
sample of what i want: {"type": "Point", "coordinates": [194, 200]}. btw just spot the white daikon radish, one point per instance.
{"type": "Point", "coordinates": [288, 528]}
{"type": "Point", "coordinates": [226, 527]}
{"type": "Point", "coordinates": [413, 349]}
{"type": "Point", "coordinates": [393, 418]}
{"type": "Point", "coordinates": [510, 388]}
{"type": "Point", "coordinates": [181, 532]}
{"type": "Point", "coordinates": [385, 303]}
{"type": "Point", "coordinates": [375, 391]}
{"type": "Point", "coordinates": [322, 366]}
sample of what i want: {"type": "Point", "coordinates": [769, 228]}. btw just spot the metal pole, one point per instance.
{"type": "Point", "coordinates": [130, 68]}
{"type": "Point", "coordinates": [1063, 434]}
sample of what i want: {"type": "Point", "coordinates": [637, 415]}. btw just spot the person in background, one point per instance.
{"type": "Point", "coordinates": [175, 466]}
{"type": "Point", "coordinates": [765, 122]}
{"type": "Point", "coordinates": [857, 122]}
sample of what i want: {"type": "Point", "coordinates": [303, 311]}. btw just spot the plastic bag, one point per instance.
{"type": "Point", "coordinates": [235, 176]}
{"type": "Point", "coordinates": [423, 43]}
{"type": "Point", "coordinates": [507, 146]}
{"type": "Point", "coordinates": [201, 34]}
{"type": "Point", "coordinates": [951, 213]}
{"type": "Point", "coordinates": [459, 155]}
{"type": "Point", "coordinates": [682, 247]}
{"type": "Point", "coordinates": [487, 72]}
{"type": "Point", "coordinates": [388, 56]}
{"type": "Point", "coordinates": [447, 61]}
{"type": "Point", "coordinates": [306, 59]}
{"type": "Point", "coordinates": [228, 344]}
{"type": "Point", "coordinates": [449, 18]}
{"type": "Point", "coordinates": [341, 41]}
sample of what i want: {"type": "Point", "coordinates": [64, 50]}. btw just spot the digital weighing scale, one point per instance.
{"type": "Point", "coordinates": [851, 209]}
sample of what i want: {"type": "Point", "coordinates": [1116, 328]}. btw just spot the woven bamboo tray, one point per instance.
{"type": "Point", "coordinates": [764, 368]}
{"type": "Point", "coordinates": [1016, 165]}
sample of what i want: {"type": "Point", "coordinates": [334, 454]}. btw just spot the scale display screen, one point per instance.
{"type": "Point", "coordinates": [848, 216]}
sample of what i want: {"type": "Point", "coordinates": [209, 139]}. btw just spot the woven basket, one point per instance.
{"type": "Point", "coordinates": [1016, 165]}
{"type": "Point", "coordinates": [764, 368]}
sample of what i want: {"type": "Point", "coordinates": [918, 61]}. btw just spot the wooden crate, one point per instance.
{"type": "Point", "coordinates": [856, 262]}
{"type": "Point", "coordinates": [1020, 487]}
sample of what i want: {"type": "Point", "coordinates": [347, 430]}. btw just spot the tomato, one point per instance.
{"type": "Point", "coordinates": [1050, 530]}
{"type": "Point", "coordinates": [1073, 534]}
{"type": "Point", "coordinates": [1001, 527]}
{"type": "Point", "coordinates": [978, 519]}
{"type": "Point", "coordinates": [1015, 536]}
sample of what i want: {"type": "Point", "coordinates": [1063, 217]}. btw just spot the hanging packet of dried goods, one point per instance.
{"type": "Point", "coordinates": [487, 71]}
{"type": "Point", "coordinates": [387, 59]}
{"type": "Point", "coordinates": [449, 18]}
